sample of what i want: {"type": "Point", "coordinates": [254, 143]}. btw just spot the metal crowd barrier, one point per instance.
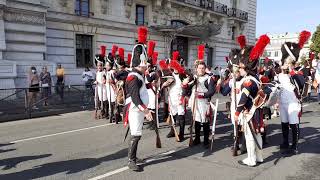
{"type": "Point", "coordinates": [15, 102]}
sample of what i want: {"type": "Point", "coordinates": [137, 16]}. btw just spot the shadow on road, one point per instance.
{"type": "Point", "coordinates": [69, 166]}
{"type": "Point", "coordinates": [13, 162]}
{"type": "Point", "coordinates": [6, 150]}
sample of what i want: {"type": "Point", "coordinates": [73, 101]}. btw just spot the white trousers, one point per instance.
{"type": "Point", "coordinates": [254, 153]}
{"type": "Point", "coordinates": [289, 112]}
{"type": "Point", "coordinates": [136, 119]}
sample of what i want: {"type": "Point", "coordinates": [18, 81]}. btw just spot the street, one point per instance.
{"type": "Point", "coordinates": [75, 146]}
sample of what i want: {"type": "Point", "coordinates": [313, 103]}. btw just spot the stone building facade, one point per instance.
{"type": "Point", "coordinates": [70, 32]}
{"type": "Point", "coordinates": [273, 50]}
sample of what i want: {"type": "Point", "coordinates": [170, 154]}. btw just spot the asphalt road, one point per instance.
{"type": "Point", "coordinates": [74, 146]}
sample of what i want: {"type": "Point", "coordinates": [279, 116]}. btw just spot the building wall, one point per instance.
{"type": "Point", "coordinates": [276, 41]}
{"type": "Point", "coordinates": [49, 36]}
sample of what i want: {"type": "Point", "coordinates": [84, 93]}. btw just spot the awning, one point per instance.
{"type": "Point", "coordinates": [196, 31]}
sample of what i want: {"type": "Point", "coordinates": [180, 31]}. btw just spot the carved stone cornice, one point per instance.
{"type": "Point", "coordinates": [24, 17]}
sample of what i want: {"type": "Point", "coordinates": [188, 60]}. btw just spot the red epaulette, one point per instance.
{"type": "Point", "coordinates": [247, 83]}
{"type": "Point", "coordinates": [292, 73]}
{"type": "Point", "coordinates": [130, 78]}
{"type": "Point", "coordinates": [300, 73]}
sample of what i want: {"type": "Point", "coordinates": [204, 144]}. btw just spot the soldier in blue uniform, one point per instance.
{"type": "Point", "coordinates": [251, 121]}
{"type": "Point", "coordinates": [136, 98]}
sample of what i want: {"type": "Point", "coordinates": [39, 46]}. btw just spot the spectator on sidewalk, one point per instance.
{"type": "Point", "coordinates": [60, 81]}
{"type": "Point", "coordinates": [33, 82]}
{"type": "Point", "coordinates": [87, 77]}
{"type": "Point", "coordinates": [45, 79]}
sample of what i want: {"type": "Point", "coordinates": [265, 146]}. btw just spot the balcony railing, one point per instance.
{"type": "Point", "coordinates": [237, 13]}
{"type": "Point", "coordinates": [83, 13]}
{"type": "Point", "coordinates": [208, 5]}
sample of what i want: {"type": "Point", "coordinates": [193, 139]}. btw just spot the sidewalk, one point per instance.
{"type": "Point", "coordinates": [15, 110]}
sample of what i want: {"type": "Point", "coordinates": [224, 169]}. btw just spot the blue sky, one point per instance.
{"type": "Point", "coordinates": [280, 16]}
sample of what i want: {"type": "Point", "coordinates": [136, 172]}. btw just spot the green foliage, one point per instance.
{"type": "Point", "coordinates": [315, 46]}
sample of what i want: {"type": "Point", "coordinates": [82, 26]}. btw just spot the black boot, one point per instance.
{"type": "Point", "coordinates": [206, 132]}
{"type": "Point", "coordinates": [106, 109]}
{"type": "Point", "coordinates": [165, 111]}
{"type": "Point", "coordinates": [264, 137]}
{"type": "Point", "coordinates": [111, 113]}
{"type": "Point", "coordinates": [285, 135]}
{"type": "Point", "coordinates": [295, 138]}
{"type": "Point", "coordinates": [118, 114]}
{"type": "Point", "coordinates": [182, 123]}
{"type": "Point", "coordinates": [242, 140]}
{"type": "Point", "coordinates": [197, 128]}
{"type": "Point", "coordinates": [171, 133]}
{"type": "Point", "coordinates": [132, 153]}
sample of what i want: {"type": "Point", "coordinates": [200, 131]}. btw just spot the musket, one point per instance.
{"type": "Point", "coordinates": [173, 124]}
{"type": "Point", "coordinates": [158, 141]}
{"type": "Point", "coordinates": [127, 132]}
{"type": "Point", "coordinates": [214, 123]}
{"type": "Point", "coordinates": [193, 114]}
{"type": "Point", "coordinates": [96, 102]}
{"type": "Point", "coordinates": [109, 100]}
{"type": "Point", "coordinates": [236, 129]}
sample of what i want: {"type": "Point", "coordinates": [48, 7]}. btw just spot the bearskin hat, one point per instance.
{"type": "Point", "coordinates": [139, 53]}
{"type": "Point", "coordinates": [233, 59]}
{"type": "Point", "coordinates": [290, 51]}
{"type": "Point", "coordinates": [99, 58]}
{"type": "Point", "coordinates": [120, 58]}
{"type": "Point", "coordinates": [250, 54]}
{"type": "Point", "coordinates": [164, 68]}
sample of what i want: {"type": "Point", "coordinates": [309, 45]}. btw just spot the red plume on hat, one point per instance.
{"type": "Point", "coordinates": [258, 49]}
{"type": "Point", "coordinates": [142, 34]}
{"type": "Point", "coordinates": [303, 38]}
{"type": "Point", "coordinates": [129, 58]}
{"type": "Point", "coordinates": [242, 41]}
{"type": "Point", "coordinates": [155, 57]}
{"type": "Point", "coordinates": [103, 50]}
{"type": "Point", "coordinates": [114, 50]}
{"type": "Point", "coordinates": [174, 64]}
{"type": "Point", "coordinates": [151, 46]}
{"type": "Point", "coordinates": [201, 48]}
{"type": "Point", "coordinates": [121, 53]}
{"type": "Point", "coordinates": [163, 64]}
{"type": "Point", "coordinates": [175, 55]}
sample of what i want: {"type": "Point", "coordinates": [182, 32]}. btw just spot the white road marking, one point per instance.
{"type": "Point", "coordinates": [110, 173]}
{"type": "Point", "coordinates": [126, 167]}
{"type": "Point", "coordinates": [305, 105]}
{"type": "Point", "coordinates": [61, 133]}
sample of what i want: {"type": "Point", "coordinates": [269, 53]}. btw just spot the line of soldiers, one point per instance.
{"type": "Point", "coordinates": [142, 82]}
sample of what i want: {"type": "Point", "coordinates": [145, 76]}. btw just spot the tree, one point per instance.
{"type": "Point", "coordinates": [315, 46]}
